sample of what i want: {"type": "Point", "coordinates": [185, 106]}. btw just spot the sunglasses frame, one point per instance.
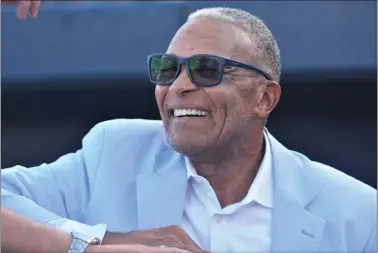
{"type": "Point", "coordinates": [184, 61]}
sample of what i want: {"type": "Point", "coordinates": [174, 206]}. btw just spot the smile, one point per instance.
{"type": "Point", "coordinates": [189, 113]}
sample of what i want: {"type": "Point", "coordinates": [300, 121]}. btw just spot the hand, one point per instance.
{"type": "Point", "coordinates": [131, 248]}
{"type": "Point", "coordinates": [172, 236]}
{"type": "Point", "coordinates": [23, 7]}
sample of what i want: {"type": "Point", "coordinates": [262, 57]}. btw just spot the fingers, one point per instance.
{"type": "Point", "coordinates": [189, 244]}
{"type": "Point", "coordinates": [167, 250]}
{"type": "Point", "coordinates": [192, 248]}
{"type": "Point", "coordinates": [34, 8]}
{"type": "Point", "coordinates": [132, 248]}
{"type": "Point", "coordinates": [23, 8]}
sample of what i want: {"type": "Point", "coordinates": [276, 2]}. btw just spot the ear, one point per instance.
{"type": "Point", "coordinates": [270, 95]}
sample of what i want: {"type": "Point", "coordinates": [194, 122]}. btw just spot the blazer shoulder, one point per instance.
{"type": "Point", "coordinates": [128, 146]}
{"type": "Point", "coordinates": [327, 178]}
{"type": "Point", "coordinates": [119, 129]}
{"type": "Point", "coordinates": [122, 140]}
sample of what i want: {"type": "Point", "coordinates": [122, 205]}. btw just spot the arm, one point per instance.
{"type": "Point", "coordinates": [57, 193]}
{"type": "Point", "coordinates": [21, 235]}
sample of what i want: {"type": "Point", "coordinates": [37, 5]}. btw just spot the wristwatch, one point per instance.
{"type": "Point", "coordinates": [80, 242]}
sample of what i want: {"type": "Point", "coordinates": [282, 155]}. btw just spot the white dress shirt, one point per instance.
{"type": "Point", "coordinates": [240, 227]}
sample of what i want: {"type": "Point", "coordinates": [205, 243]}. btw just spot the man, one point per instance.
{"type": "Point", "coordinates": [209, 176]}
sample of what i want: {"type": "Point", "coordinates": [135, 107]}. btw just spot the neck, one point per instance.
{"type": "Point", "coordinates": [231, 174]}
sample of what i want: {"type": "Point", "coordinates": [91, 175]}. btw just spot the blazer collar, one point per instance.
{"type": "Point", "coordinates": [290, 176]}
{"type": "Point", "coordinates": [294, 228]}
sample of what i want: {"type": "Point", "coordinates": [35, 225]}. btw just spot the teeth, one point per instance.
{"type": "Point", "coordinates": [187, 112]}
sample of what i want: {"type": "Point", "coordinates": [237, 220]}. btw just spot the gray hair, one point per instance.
{"type": "Point", "coordinates": [268, 52]}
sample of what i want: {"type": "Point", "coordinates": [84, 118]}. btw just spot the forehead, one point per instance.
{"type": "Point", "coordinates": [210, 36]}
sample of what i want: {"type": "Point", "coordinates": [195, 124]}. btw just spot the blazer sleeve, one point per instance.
{"type": "Point", "coordinates": [59, 191]}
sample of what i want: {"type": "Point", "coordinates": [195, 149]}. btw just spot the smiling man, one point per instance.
{"type": "Point", "coordinates": [208, 176]}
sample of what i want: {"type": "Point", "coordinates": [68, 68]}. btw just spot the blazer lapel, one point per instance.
{"type": "Point", "coordinates": [161, 193]}
{"type": "Point", "coordinates": [295, 229]}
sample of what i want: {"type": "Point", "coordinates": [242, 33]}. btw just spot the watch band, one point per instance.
{"type": "Point", "coordinates": [80, 242]}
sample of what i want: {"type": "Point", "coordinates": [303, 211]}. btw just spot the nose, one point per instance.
{"type": "Point", "coordinates": [183, 85]}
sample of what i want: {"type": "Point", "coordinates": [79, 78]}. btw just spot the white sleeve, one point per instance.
{"type": "Point", "coordinates": [68, 226]}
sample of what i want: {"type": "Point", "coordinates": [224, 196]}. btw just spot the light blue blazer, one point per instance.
{"type": "Point", "coordinates": [126, 176]}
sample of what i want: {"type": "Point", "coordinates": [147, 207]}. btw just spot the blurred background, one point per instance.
{"type": "Point", "coordinates": [81, 62]}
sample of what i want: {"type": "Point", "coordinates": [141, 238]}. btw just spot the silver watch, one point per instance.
{"type": "Point", "coordinates": [80, 242]}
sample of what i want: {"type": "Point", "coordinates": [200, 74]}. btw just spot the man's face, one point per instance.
{"type": "Point", "coordinates": [231, 107]}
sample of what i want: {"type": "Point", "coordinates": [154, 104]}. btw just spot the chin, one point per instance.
{"type": "Point", "coordinates": [186, 145]}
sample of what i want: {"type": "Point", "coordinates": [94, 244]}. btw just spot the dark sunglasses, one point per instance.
{"type": "Point", "coordinates": [203, 69]}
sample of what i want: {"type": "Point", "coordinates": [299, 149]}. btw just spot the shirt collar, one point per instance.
{"type": "Point", "coordinates": [261, 190]}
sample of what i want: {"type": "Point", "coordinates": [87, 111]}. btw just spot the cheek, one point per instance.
{"type": "Point", "coordinates": [160, 94]}
{"type": "Point", "coordinates": [217, 97]}
{"type": "Point", "coordinates": [225, 101]}
{"type": "Point", "coordinates": [238, 107]}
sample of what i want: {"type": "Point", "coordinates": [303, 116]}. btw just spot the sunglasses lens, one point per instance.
{"type": "Point", "coordinates": [163, 69]}
{"type": "Point", "coordinates": [205, 70]}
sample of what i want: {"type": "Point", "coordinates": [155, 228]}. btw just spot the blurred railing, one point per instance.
{"type": "Point", "coordinates": [107, 38]}
{"type": "Point", "coordinates": [82, 63]}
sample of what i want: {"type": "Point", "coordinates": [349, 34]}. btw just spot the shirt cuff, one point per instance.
{"type": "Point", "coordinates": [68, 226]}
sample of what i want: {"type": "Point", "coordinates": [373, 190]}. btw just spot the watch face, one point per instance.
{"type": "Point", "coordinates": [88, 240]}
{"type": "Point", "coordinates": [95, 241]}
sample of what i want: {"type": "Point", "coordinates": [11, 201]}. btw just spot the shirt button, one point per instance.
{"type": "Point", "coordinates": [219, 219]}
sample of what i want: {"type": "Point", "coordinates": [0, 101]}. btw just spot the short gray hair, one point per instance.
{"type": "Point", "coordinates": [268, 52]}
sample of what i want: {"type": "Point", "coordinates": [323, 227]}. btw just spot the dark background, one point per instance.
{"type": "Point", "coordinates": [79, 64]}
